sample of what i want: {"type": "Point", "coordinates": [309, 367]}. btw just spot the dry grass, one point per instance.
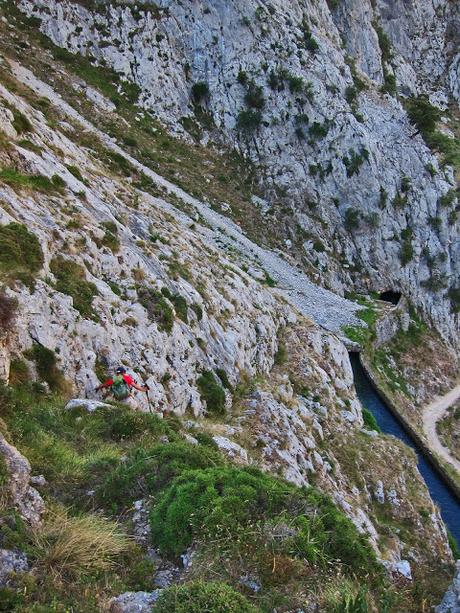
{"type": "Point", "coordinates": [71, 546]}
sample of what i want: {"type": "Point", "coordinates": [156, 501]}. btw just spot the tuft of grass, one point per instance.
{"type": "Point", "coordinates": [369, 420]}
{"type": "Point", "coordinates": [47, 369]}
{"type": "Point", "coordinates": [76, 546]}
{"type": "Point", "coordinates": [158, 308]}
{"type": "Point", "coordinates": [212, 393]}
{"type": "Point", "coordinates": [111, 239]}
{"type": "Point", "coordinates": [198, 597]}
{"type": "Point", "coordinates": [21, 256]}
{"type": "Point", "coordinates": [12, 177]}
{"type": "Point", "coordinates": [20, 122]}
{"type": "Point", "coordinates": [71, 280]}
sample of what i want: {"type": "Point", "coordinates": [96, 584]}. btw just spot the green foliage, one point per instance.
{"type": "Point", "coordinates": [352, 603]}
{"type": "Point", "coordinates": [390, 85]}
{"type": "Point", "coordinates": [448, 199]}
{"type": "Point", "coordinates": [200, 597]}
{"type": "Point", "coordinates": [198, 309]}
{"type": "Point", "coordinates": [254, 97]}
{"type": "Point", "coordinates": [19, 372]}
{"type": "Point", "coordinates": [12, 177]}
{"type": "Point", "coordinates": [423, 114]}
{"type": "Point", "coordinates": [219, 503]}
{"type": "Point", "coordinates": [20, 122]}
{"type": "Point", "coordinates": [248, 120]}
{"type": "Point", "coordinates": [76, 173]}
{"type": "Point", "coordinates": [369, 420]}
{"type": "Point", "coordinates": [309, 41]}
{"type": "Point", "coordinates": [180, 306]}
{"type": "Point", "coordinates": [281, 355]}
{"type": "Point", "coordinates": [268, 280]}
{"type": "Point", "coordinates": [447, 146]}
{"type": "Point", "coordinates": [220, 372]}
{"type": "Point", "coordinates": [454, 296]}
{"type": "Point", "coordinates": [21, 256]}
{"type": "Point", "coordinates": [157, 307]}
{"type": "Point", "coordinates": [355, 161]}
{"type": "Point", "coordinates": [407, 249]}
{"type": "Point", "coordinates": [110, 238]}
{"type": "Point", "coordinates": [318, 130]}
{"type": "Point", "coordinates": [212, 393]}
{"type": "Point", "coordinates": [46, 365]}
{"type": "Point", "coordinates": [71, 280]}
{"type": "Point", "coordinates": [200, 91]}
{"type": "Point", "coordinates": [352, 217]}
{"type": "Point", "coordinates": [146, 470]}
{"type": "Point", "coordinates": [453, 545]}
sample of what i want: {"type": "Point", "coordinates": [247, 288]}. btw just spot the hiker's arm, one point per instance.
{"type": "Point", "coordinates": [103, 385]}
{"type": "Point", "coordinates": [139, 388]}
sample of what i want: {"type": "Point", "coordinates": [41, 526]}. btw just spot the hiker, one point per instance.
{"type": "Point", "coordinates": [120, 386]}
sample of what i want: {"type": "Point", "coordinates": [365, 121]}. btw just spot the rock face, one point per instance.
{"type": "Point", "coordinates": [11, 562]}
{"type": "Point", "coordinates": [25, 498]}
{"type": "Point", "coordinates": [325, 150]}
{"type": "Point", "coordinates": [134, 602]}
{"type": "Point", "coordinates": [451, 601]}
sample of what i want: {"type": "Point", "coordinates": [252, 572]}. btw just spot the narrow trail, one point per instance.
{"type": "Point", "coordinates": [326, 308]}
{"type": "Point", "coordinates": [432, 413]}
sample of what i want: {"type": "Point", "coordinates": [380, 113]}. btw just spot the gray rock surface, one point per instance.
{"type": "Point", "coordinates": [134, 602]}
{"type": "Point", "coordinates": [451, 601]}
{"type": "Point", "coordinates": [20, 494]}
{"type": "Point", "coordinates": [211, 39]}
{"type": "Point", "coordinates": [11, 562]}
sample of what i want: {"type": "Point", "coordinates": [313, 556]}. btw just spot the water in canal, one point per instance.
{"type": "Point", "coordinates": [440, 492]}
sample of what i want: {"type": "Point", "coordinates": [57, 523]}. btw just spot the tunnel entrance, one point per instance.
{"type": "Point", "coordinates": [390, 296]}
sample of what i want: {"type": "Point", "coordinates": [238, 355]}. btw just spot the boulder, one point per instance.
{"type": "Point", "coordinates": [20, 494]}
{"type": "Point", "coordinates": [134, 602]}
{"type": "Point", "coordinates": [11, 562]}
{"type": "Point", "coordinates": [84, 403]}
{"type": "Point", "coordinates": [233, 450]}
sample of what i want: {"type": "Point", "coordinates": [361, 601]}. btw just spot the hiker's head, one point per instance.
{"type": "Point", "coordinates": [121, 370]}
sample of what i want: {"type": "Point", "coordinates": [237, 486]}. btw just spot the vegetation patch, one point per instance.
{"type": "Point", "coordinates": [158, 308]}
{"type": "Point", "coordinates": [212, 393]}
{"type": "Point", "coordinates": [40, 183]}
{"type": "Point", "coordinates": [71, 280]}
{"type": "Point", "coordinates": [46, 365]}
{"type": "Point", "coordinates": [21, 256]}
{"type": "Point", "coordinates": [198, 596]}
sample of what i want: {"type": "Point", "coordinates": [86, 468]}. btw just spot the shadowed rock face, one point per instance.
{"type": "Point", "coordinates": [352, 175]}
{"type": "Point", "coordinates": [23, 497]}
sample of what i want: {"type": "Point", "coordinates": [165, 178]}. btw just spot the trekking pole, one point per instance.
{"type": "Point", "coordinates": [148, 401]}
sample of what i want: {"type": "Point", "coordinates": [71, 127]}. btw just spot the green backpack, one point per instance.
{"type": "Point", "coordinates": [120, 389]}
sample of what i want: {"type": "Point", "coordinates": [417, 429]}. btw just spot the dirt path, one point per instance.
{"type": "Point", "coordinates": [431, 415]}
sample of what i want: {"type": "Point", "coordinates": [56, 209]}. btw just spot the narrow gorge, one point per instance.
{"type": "Point", "coordinates": [222, 200]}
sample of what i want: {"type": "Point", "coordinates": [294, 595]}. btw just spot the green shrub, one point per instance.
{"type": "Point", "coordinates": [20, 252]}
{"type": "Point", "coordinates": [200, 597]}
{"type": "Point", "coordinates": [110, 238]}
{"type": "Point", "coordinates": [71, 280]}
{"type": "Point", "coordinates": [308, 39]}
{"type": "Point", "coordinates": [219, 503]}
{"type": "Point", "coordinates": [197, 308]}
{"type": "Point", "coordinates": [212, 393]}
{"type": "Point", "coordinates": [369, 420]}
{"type": "Point", "coordinates": [180, 306]}
{"type": "Point", "coordinates": [281, 355]}
{"type": "Point", "coordinates": [145, 471]}
{"type": "Point", "coordinates": [46, 364]}
{"type": "Point", "coordinates": [448, 199]}
{"type": "Point", "coordinates": [220, 372]}
{"type": "Point", "coordinates": [76, 173]}
{"type": "Point", "coordinates": [423, 114]}
{"type": "Point", "coordinates": [19, 372]}
{"type": "Point", "coordinates": [12, 177]}
{"type": "Point", "coordinates": [355, 161]}
{"type": "Point", "coordinates": [254, 97]}
{"type": "Point", "coordinates": [454, 296]}
{"type": "Point", "coordinates": [200, 91]}
{"type": "Point", "coordinates": [248, 120]}
{"type": "Point", "coordinates": [318, 130]}
{"type": "Point", "coordinates": [20, 122]}
{"type": "Point", "coordinates": [158, 309]}
{"type": "Point", "coordinates": [352, 217]}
